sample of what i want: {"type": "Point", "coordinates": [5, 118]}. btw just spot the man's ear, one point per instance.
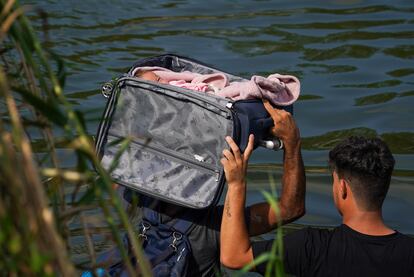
{"type": "Point", "coordinates": [343, 188]}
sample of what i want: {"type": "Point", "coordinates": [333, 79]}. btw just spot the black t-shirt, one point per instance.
{"type": "Point", "coordinates": [205, 243]}
{"type": "Point", "coordinates": [343, 252]}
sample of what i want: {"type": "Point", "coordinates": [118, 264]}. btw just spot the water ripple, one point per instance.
{"type": "Point", "coordinates": [399, 142]}
{"type": "Point", "coordinates": [354, 59]}
{"type": "Point", "coordinates": [380, 84]}
{"type": "Point", "coordinates": [343, 51]}
{"type": "Point", "coordinates": [401, 72]}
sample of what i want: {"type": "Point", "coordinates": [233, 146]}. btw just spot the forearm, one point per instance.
{"type": "Point", "coordinates": [263, 218]}
{"type": "Point", "coordinates": [235, 249]}
{"type": "Point", "coordinates": [292, 201]}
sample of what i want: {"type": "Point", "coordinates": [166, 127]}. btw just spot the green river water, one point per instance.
{"type": "Point", "coordinates": [355, 60]}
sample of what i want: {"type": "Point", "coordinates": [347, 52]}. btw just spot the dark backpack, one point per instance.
{"type": "Point", "coordinates": [166, 246]}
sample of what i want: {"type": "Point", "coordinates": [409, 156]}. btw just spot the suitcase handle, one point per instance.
{"type": "Point", "coordinates": [275, 144]}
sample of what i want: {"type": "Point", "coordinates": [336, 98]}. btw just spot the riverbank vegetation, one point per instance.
{"type": "Point", "coordinates": [34, 208]}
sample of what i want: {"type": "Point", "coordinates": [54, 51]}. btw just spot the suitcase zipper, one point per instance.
{"type": "Point", "coordinates": [212, 103]}
{"type": "Point", "coordinates": [175, 156]}
{"type": "Point", "coordinates": [104, 125]}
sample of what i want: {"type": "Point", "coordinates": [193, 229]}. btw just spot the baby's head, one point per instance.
{"type": "Point", "coordinates": [150, 76]}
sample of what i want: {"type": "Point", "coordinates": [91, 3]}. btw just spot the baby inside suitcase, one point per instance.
{"type": "Point", "coordinates": [176, 134]}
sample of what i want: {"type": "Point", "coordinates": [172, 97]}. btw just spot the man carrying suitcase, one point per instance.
{"type": "Point", "coordinates": [362, 246]}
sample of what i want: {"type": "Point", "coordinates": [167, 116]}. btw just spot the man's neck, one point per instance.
{"type": "Point", "coordinates": [367, 222]}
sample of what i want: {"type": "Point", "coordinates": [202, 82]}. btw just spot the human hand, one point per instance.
{"type": "Point", "coordinates": [284, 125]}
{"type": "Point", "coordinates": [235, 164]}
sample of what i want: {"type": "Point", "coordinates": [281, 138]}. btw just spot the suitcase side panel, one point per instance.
{"type": "Point", "coordinates": [177, 140]}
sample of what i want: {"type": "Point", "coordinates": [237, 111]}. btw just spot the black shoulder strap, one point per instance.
{"type": "Point", "coordinates": [181, 225]}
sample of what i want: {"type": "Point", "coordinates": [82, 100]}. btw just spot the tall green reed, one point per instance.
{"type": "Point", "coordinates": [34, 212]}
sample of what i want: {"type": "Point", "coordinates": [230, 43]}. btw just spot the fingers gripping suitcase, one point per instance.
{"type": "Point", "coordinates": [176, 135]}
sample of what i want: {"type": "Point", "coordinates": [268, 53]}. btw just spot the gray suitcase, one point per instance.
{"type": "Point", "coordinates": [176, 135]}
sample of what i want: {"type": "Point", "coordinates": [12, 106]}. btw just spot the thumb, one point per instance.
{"type": "Point", "coordinates": [268, 106]}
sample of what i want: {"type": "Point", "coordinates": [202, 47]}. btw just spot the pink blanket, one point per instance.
{"type": "Point", "coordinates": [279, 89]}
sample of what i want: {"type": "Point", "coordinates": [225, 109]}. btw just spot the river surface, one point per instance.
{"type": "Point", "coordinates": [355, 60]}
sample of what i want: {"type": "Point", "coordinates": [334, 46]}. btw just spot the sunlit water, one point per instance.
{"type": "Point", "coordinates": [354, 60]}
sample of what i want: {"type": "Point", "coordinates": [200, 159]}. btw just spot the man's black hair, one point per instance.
{"type": "Point", "coordinates": [367, 164]}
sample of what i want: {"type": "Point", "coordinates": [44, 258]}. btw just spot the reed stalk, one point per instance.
{"type": "Point", "coordinates": [34, 214]}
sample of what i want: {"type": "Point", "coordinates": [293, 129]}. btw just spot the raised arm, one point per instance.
{"type": "Point", "coordinates": [234, 238]}
{"type": "Point", "coordinates": [235, 247]}
{"type": "Point", "coordinates": [292, 201]}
